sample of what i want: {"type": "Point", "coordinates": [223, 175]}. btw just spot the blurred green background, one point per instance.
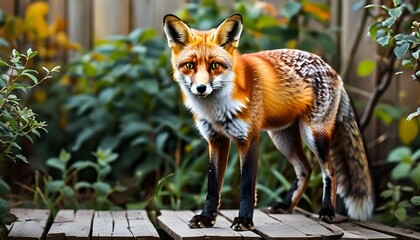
{"type": "Point", "coordinates": [118, 135]}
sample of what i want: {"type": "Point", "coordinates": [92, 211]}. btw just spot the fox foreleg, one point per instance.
{"type": "Point", "coordinates": [219, 146]}
{"type": "Point", "coordinates": [249, 167]}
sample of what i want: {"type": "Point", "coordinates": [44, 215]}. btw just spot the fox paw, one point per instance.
{"type": "Point", "coordinates": [242, 224]}
{"type": "Point", "coordinates": [200, 221]}
{"type": "Point", "coordinates": [279, 207]}
{"type": "Point", "coordinates": [327, 214]}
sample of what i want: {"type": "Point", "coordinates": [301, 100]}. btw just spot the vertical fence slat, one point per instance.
{"type": "Point", "coordinates": [80, 22]}
{"type": "Point", "coordinates": [110, 17]}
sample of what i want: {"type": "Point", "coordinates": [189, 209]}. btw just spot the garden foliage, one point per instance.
{"type": "Point", "coordinates": [119, 136]}
{"type": "Point", "coordinates": [120, 96]}
{"type": "Point", "coordinates": [396, 30]}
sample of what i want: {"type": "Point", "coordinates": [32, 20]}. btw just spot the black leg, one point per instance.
{"type": "Point", "coordinates": [218, 149]}
{"type": "Point", "coordinates": [249, 167]}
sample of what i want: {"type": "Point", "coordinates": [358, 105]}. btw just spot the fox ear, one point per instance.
{"type": "Point", "coordinates": [228, 32]}
{"type": "Point", "coordinates": [177, 32]}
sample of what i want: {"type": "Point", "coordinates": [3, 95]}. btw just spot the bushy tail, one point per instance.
{"type": "Point", "coordinates": [350, 163]}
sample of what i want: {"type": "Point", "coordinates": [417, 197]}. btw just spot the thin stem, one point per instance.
{"type": "Point", "coordinates": [379, 90]}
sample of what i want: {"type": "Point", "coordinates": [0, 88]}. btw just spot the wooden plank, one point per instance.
{"type": "Point", "coordinates": [268, 227]}
{"type": "Point", "coordinates": [102, 225]}
{"type": "Point", "coordinates": [70, 225]}
{"type": "Point", "coordinates": [311, 228]}
{"type": "Point", "coordinates": [121, 227]}
{"type": "Point", "coordinates": [400, 233]}
{"type": "Point", "coordinates": [176, 227]}
{"type": "Point", "coordinates": [175, 224]}
{"type": "Point", "coordinates": [350, 231]}
{"type": "Point", "coordinates": [222, 230]}
{"type": "Point", "coordinates": [31, 223]}
{"type": "Point", "coordinates": [140, 225]}
{"type": "Point", "coordinates": [363, 233]}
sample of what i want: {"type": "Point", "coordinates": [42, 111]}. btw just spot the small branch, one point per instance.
{"type": "Point", "coordinates": [385, 76]}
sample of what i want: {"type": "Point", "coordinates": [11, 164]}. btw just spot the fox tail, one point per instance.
{"type": "Point", "coordinates": [350, 163]}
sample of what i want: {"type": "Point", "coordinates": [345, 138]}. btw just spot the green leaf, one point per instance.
{"type": "Point", "coordinates": [401, 50]}
{"type": "Point", "coordinates": [85, 135]}
{"type": "Point", "coordinates": [64, 155]}
{"type": "Point", "coordinates": [133, 128]}
{"type": "Point", "coordinates": [399, 153]}
{"type": "Point", "coordinates": [416, 54]}
{"type": "Point", "coordinates": [106, 95]}
{"type": "Point", "coordinates": [102, 188]}
{"type": "Point", "coordinates": [387, 112]}
{"type": "Point", "coordinates": [82, 184]}
{"type": "Point", "coordinates": [415, 200]}
{"type": "Point", "coordinates": [397, 2]}
{"type": "Point", "coordinates": [56, 163]}
{"type": "Point", "coordinates": [383, 41]}
{"type": "Point", "coordinates": [30, 53]}
{"type": "Point", "coordinates": [400, 214]}
{"type": "Point", "coordinates": [67, 192]}
{"type": "Point", "coordinates": [389, 22]}
{"type": "Point", "coordinates": [54, 186]}
{"type": "Point", "coordinates": [80, 165]}
{"type": "Point", "coordinates": [291, 9]}
{"type": "Point", "coordinates": [365, 68]}
{"type": "Point", "coordinates": [400, 171]}
{"type": "Point", "coordinates": [161, 140]}
{"type": "Point", "coordinates": [22, 158]}
{"type": "Point", "coordinates": [387, 193]}
{"type": "Point", "coordinates": [89, 69]}
{"type": "Point", "coordinates": [373, 29]}
{"type": "Point", "coordinates": [415, 175]}
{"type": "Point", "coordinates": [150, 86]}
{"type": "Point", "coordinates": [32, 77]}
{"type": "Point", "coordinates": [407, 63]}
{"type": "Point", "coordinates": [4, 187]}
{"type": "Point", "coordinates": [395, 12]}
{"type": "Point", "coordinates": [3, 63]}
{"type": "Point", "coordinates": [416, 155]}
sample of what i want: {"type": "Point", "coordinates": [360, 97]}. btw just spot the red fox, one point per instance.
{"type": "Point", "coordinates": [292, 94]}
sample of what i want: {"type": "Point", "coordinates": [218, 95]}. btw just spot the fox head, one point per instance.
{"type": "Point", "coordinates": [202, 60]}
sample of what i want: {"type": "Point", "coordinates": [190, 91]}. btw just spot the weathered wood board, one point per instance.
{"type": "Point", "coordinates": [135, 224]}
{"type": "Point", "coordinates": [71, 225]}
{"type": "Point", "coordinates": [31, 224]}
{"type": "Point", "coordinates": [131, 224]}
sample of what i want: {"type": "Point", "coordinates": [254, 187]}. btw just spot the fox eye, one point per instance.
{"type": "Point", "coordinates": [189, 65]}
{"type": "Point", "coordinates": [215, 65]}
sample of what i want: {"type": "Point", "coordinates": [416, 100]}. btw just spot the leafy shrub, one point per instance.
{"type": "Point", "coordinates": [16, 121]}
{"type": "Point", "coordinates": [120, 96]}
{"type": "Point", "coordinates": [69, 192]}
{"type": "Point", "coordinates": [399, 34]}
{"type": "Point", "coordinates": [125, 101]}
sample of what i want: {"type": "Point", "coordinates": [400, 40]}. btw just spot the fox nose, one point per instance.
{"type": "Point", "coordinates": [201, 88]}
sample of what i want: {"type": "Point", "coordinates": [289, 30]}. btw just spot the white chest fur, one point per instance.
{"type": "Point", "coordinates": [217, 112]}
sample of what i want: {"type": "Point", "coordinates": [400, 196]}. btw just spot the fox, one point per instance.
{"type": "Point", "coordinates": [292, 94]}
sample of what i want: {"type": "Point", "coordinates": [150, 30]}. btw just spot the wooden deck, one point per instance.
{"type": "Point", "coordinates": [135, 224]}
